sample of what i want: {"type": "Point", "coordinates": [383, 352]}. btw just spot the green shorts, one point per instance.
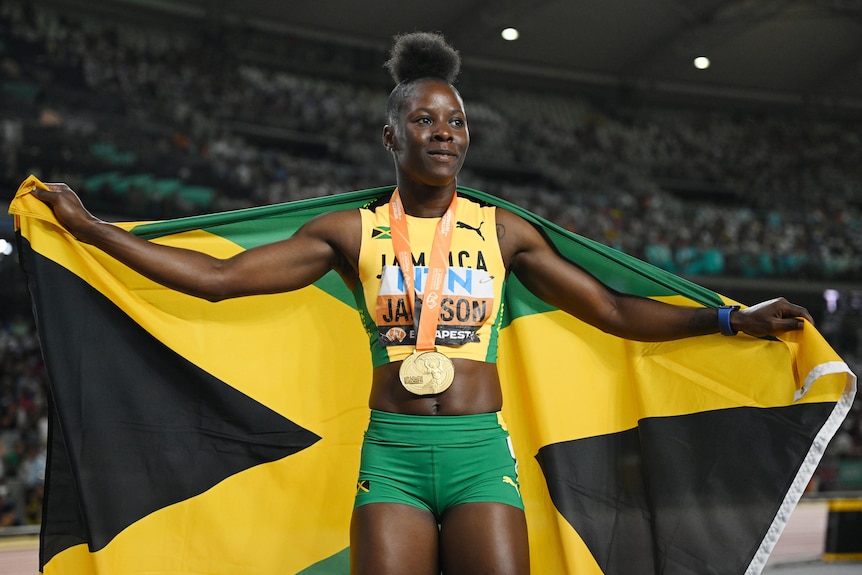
{"type": "Point", "coordinates": [437, 462]}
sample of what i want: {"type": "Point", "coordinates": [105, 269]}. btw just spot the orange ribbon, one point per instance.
{"type": "Point", "coordinates": [426, 333]}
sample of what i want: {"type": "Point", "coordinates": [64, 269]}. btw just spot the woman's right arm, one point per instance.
{"type": "Point", "coordinates": [311, 252]}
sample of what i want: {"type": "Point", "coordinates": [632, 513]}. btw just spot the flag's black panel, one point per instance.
{"type": "Point", "coordinates": [62, 522]}
{"type": "Point", "coordinates": [698, 474]}
{"type": "Point", "coordinates": [142, 428]}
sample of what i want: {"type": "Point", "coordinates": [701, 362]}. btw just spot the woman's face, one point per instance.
{"type": "Point", "coordinates": [430, 138]}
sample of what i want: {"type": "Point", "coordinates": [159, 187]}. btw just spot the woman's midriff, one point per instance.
{"type": "Point", "coordinates": [475, 389]}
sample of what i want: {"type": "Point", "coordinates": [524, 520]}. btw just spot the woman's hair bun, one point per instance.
{"type": "Point", "coordinates": [418, 55]}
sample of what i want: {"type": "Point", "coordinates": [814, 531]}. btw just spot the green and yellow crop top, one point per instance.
{"type": "Point", "coordinates": [471, 309]}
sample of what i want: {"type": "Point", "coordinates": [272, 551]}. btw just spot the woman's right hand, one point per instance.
{"type": "Point", "coordinates": [68, 209]}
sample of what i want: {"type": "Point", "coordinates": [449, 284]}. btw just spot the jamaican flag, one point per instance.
{"type": "Point", "coordinates": [192, 437]}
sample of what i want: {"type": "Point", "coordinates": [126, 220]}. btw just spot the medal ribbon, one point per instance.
{"type": "Point", "coordinates": [426, 333]}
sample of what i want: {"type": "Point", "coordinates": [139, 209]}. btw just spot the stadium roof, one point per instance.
{"type": "Point", "coordinates": [788, 52]}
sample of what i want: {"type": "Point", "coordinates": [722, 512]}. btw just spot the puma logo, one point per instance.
{"type": "Point", "coordinates": [510, 481]}
{"type": "Point", "coordinates": [478, 230]}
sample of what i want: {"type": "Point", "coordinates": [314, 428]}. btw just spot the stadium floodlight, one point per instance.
{"type": "Point", "coordinates": [510, 34]}
{"type": "Point", "coordinates": [701, 62]}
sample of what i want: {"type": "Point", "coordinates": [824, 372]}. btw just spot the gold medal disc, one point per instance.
{"type": "Point", "coordinates": [427, 373]}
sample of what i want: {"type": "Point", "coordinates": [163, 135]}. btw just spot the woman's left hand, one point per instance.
{"type": "Point", "coordinates": [770, 317]}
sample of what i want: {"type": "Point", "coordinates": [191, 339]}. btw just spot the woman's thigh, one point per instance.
{"type": "Point", "coordinates": [484, 537]}
{"type": "Point", "coordinates": [393, 539]}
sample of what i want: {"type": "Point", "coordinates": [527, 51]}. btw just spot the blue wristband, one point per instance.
{"type": "Point", "coordinates": [724, 319]}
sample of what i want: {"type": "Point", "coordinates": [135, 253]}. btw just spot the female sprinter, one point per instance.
{"type": "Point", "coordinates": [437, 485]}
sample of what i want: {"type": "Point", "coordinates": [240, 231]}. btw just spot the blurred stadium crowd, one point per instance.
{"type": "Point", "coordinates": [160, 121]}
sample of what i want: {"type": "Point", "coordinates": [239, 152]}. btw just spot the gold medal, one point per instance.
{"type": "Point", "coordinates": [426, 373]}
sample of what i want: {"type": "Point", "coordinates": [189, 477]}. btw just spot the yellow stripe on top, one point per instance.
{"type": "Point", "coordinates": [472, 295]}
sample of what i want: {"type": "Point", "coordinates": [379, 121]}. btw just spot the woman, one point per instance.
{"type": "Point", "coordinates": [437, 487]}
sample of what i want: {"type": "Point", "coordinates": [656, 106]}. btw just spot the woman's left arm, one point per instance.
{"type": "Point", "coordinates": [570, 288]}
